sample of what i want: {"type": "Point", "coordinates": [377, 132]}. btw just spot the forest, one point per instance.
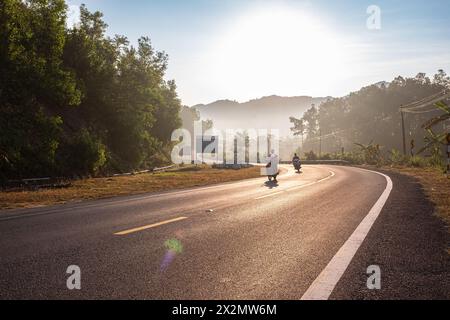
{"type": "Point", "coordinates": [370, 120]}
{"type": "Point", "coordinates": [75, 102]}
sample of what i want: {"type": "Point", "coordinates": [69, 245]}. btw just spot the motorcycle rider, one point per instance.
{"type": "Point", "coordinates": [272, 166]}
{"type": "Point", "coordinates": [296, 162]}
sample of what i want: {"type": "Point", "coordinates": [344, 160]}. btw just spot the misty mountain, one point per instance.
{"type": "Point", "coordinates": [271, 112]}
{"type": "Point", "coordinates": [382, 84]}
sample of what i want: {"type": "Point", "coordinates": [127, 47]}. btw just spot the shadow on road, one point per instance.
{"type": "Point", "coordinates": [271, 184]}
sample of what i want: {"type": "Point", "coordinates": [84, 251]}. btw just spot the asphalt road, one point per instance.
{"type": "Point", "coordinates": [243, 240]}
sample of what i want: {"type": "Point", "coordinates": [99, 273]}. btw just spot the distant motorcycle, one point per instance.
{"type": "Point", "coordinates": [297, 165]}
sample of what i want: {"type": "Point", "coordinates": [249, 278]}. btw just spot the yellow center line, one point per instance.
{"type": "Point", "coordinates": [125, 232]}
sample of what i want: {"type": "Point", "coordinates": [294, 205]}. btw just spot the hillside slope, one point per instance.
{"type": "Point", "coordinates": [270, 112]}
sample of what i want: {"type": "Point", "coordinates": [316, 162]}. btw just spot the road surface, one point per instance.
{"type": "Point", "coordinates": [242, 240]}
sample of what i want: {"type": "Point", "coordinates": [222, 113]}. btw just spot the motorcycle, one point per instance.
{"type": "Point", "coordinates": [273, 176]}
{"type": "Point", "coordinates": [297, 165]}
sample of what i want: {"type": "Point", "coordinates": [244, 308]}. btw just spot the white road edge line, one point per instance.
{"type": "Point", "coordinates": [332, 174]}
{"type": "Point", "coordinates": [269, 195]}
{"type": "Point", "coordinates": [325, 283]}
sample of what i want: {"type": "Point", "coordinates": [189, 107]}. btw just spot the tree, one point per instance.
{"type": "Point", "coordinates": [372, 114]}
{"type": "Point", "coordinates": [34, 85]}
{"type": "Point", "coordinates": [442, 79]}
{"type": "Point", "coordinates": [435, 140]}
{"type": "Point", "coordinates": [299, 127]}
{"type": "Point", "coordinates": [75, 101]}
{"type": "Point", "coordinates": [311, 118]}
{"type": "Point", "coordinates": [127, 102]}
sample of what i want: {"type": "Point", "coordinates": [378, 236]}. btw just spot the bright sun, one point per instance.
{"type": "Point", "coordinates": [277, 50]}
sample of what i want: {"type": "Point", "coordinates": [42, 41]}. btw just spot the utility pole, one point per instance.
{"type": "Point", "coordinates": [320, 131]}
{"type": "Point", "coordinates": [403, 130]}
{"type": "Point", "coordinates": [235, 151]}
{"type": "Point", "coordinates": [448, 155]}
{"type": "Point", "coordinates": [320, 143]}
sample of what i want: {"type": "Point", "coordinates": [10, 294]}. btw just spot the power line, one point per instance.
{"type": "Point", "coordinates": [415, 107]}
{"type": "Point", "coordinates": [426, 102]}
{"type": "Point", "coordinates": [418, 102]}
{"type": "Point", "coordinates": [420, 112]}
{"type": "Point", "coordinates": [335, 133]}
{"type": "Point", "coordinates": [329, 135]}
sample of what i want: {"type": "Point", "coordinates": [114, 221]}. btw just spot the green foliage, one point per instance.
{"type": "Point", "coordinates": [83, 154]}
{"type": "Point", "coordinates": [28, 140]}
{"type": "Point", "coordinates": [354, 157]}
{"type": "Point", "coordinates": [433, 140]}
{"type": "Point", "coordinates": [76, 102]}
{"type": "Point", "coordinates": [372, 113]}
{"type": "Point", "coordinates": [327, 156]}
{"type": "Point", "coordinates": [396, 157]}
{"type": "Point", "coordinates": [371, 153]}
{"type": "Point", "coordinates": [311, 155]}
{"type": "Point", "coordinates": [417, 162]}
{"type": "Point", "coordinates": [299, 126]}
{"type": "Point", "coordinates": [33, 85]}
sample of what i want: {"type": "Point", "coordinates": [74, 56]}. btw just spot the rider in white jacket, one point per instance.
{"type": "Point", "coordinates": [274, 160]}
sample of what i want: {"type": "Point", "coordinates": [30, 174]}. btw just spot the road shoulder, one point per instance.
{"type": "Point", "coordinates": [111, 187]}
{"type": "Point", "coordinates": [409, 243]}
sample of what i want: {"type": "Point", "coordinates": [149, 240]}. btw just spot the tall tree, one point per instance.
{"type": "Point", "coordinates": [34, 85]}
{"type": "Point", "coordinates": [75, 101]}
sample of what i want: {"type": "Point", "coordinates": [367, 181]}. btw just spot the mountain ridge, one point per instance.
{"type": "Point", "coordinates": [268, 112]}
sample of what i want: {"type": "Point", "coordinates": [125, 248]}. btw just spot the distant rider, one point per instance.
{"type": "Point", "coordinates": [296, 162]}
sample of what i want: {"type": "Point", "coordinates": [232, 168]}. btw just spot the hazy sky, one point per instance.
{"type": "Point", "coordinates": [245, 49]}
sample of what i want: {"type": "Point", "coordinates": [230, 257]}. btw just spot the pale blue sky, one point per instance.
{"type": "Point", "coordinates": [236, 49]}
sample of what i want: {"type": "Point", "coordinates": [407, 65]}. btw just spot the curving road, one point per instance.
{"type": "Point", "coordinates": [243, 240]}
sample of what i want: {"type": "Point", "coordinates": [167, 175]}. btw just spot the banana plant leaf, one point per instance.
{"type": "Point", "coordinates": [441, 105]}
{"type": "Point", "coordinates": [435, 121]}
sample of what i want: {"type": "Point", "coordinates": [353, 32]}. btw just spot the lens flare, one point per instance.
{"type": "Point", "coordinates": [174, 247]}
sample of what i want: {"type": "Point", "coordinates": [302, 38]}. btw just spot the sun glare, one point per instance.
{"type": "Point", "coordinates": [277, 49]}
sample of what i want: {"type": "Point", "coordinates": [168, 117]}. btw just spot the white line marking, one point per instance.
{"type": "Point", "coordinates": [269, 195]}
{"type": "Point", "coordinates": [325, 283]}
{"type": "Point", "coordinates": [332, 174]}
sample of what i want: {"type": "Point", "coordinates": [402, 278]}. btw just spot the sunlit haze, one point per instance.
{"type": "Point", "coordinates": [241, 50]}
{"type": "Point", "coordinates": [276, 47]}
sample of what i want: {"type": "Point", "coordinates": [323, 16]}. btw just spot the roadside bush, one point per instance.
{"type": "Point", "coordinates": [84, 154]}
{"type": "Point", "coordinates": [436, 159]}
{"type": "Point", "coordinates": [326, 156]}
{"type": "Point", "coordinates": [310, 155]}
{"type": "Point", "coordinates": [371, 152]}
{"type": "Point", "coordinates": [28, 142]}
{"type": "Point", "coordinates": [351, 157]}
{"type": "Point", "coordinates": [396, 157]}
{"type": "Point", "coordinates": [417, 162]}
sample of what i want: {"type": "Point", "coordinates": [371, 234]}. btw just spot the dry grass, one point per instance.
{"type": "Point", "coordinates": [436, 186]}
{"type": "Point", "coordinates": [129, 185]}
